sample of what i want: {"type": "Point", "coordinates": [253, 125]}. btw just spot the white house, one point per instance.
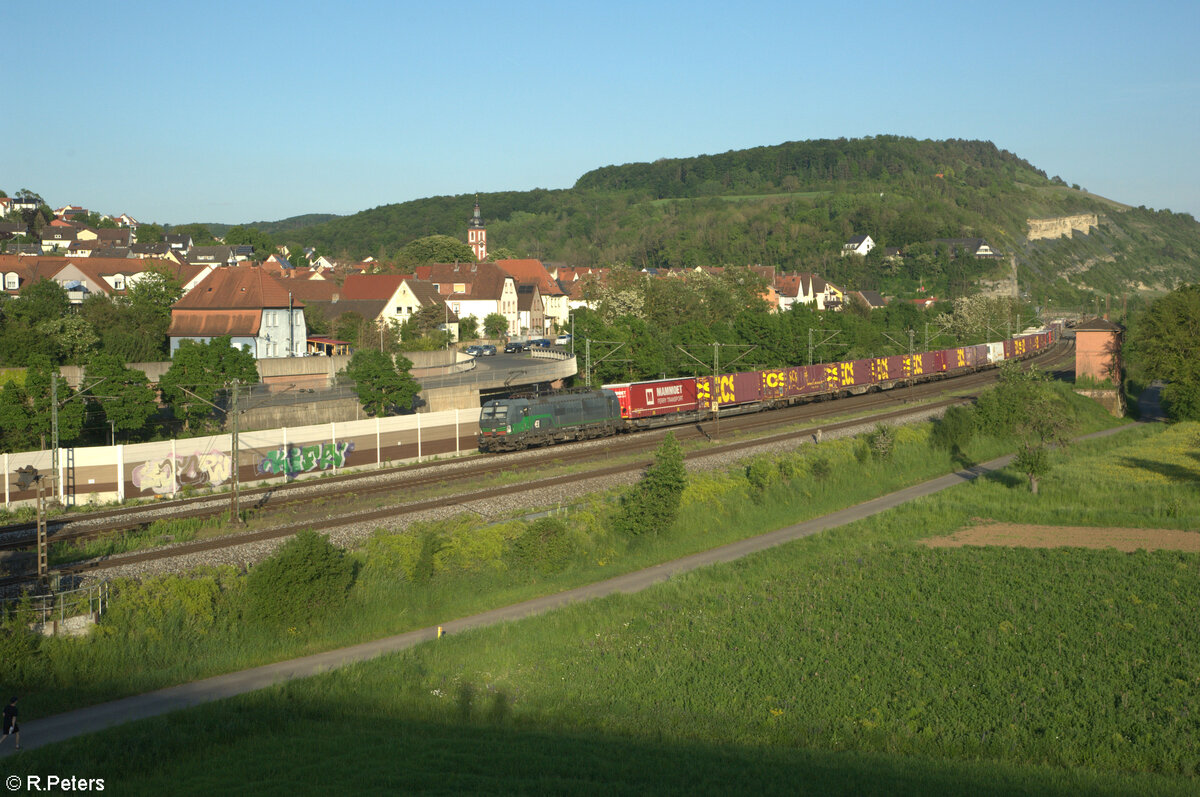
{"type": "Point", "coordinates": [858, 245]}
{"type": "Point", "coordinates": [252, 307]}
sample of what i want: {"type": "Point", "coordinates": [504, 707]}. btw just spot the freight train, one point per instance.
{"type": "Point", "coordinates": [523, 421]}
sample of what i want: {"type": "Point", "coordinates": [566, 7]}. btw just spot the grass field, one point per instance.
{"type": "Point", "coordinates": [858, 661]}
{"type": "Point", "coordinates": [173, 630]}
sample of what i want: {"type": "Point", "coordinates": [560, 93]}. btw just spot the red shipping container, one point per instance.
{"type": "Point", "coordinates": [660, 397]}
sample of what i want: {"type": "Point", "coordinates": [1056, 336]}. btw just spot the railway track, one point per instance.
{"type": "Point", "coordinates": [413, 479]}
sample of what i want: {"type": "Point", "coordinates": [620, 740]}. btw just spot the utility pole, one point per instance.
{"type": "Point", "coordinates": [26, 477]}
{"type": "Point", "coordinates": [716, 392]}
{"type": "Point", "coordinates": [53, 427]}
{"type": "Point", "coordinates": [715, 386]}
{"type": "Point", "coordinates": [235, 516]}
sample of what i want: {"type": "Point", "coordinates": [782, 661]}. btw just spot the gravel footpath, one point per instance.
{"type": "Point", "coordinates": [510, 504]}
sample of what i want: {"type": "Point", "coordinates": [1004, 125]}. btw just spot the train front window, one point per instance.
{"type": "Point", "coordinates": [494, 413]}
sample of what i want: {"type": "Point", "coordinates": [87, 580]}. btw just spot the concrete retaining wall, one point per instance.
{"type": "Point", "coordinates": [1111, 400]}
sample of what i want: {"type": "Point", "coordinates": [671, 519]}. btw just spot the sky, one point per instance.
{"type": "Point", "coordinates": [245, 111]}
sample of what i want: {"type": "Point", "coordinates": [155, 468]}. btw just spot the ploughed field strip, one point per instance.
{"type": "Point", "coordinates": [1016, 535]}
{"type": "Point", "coordinates": [316, 500]}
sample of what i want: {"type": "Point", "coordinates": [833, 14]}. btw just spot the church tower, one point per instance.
{"type": "Point", "coordinates": [477, 234]}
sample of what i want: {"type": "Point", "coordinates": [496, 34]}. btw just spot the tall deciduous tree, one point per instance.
{"type": "Point", "coordinates": [128, 401]}
{"type": "Point", "coordinates": [46, 398]}
{"type": "Point", "coordinates": [148, 233]}
{"type": "Point", "coordinates": [202, 373]}
{"type": "Point", "coordinates": [263, 243]}
{"type": "Point", "coordinates": [1163, 345]}
{"type": "Point", "coordinates": [435, 249]}
{"type": "Point", "coordinates": [20, 340]}
{"type": "Point", "coordinates": [383, 382]}
{"type": "Point", "coordinates": [15, 422]}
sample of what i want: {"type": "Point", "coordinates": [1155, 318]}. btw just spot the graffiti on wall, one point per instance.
{"type": "Point", "coordinates": [301, 459]}
{"type": "Point", "coordinates": [201, 469]}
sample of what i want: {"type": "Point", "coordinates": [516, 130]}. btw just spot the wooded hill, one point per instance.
{"type": "Point", "coordinates": [793, 206]}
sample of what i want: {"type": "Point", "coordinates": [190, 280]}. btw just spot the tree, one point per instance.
{"type": "Point", "coordinates": [149, 233]}
{"type": "Point", "coordinates": [200, 373]}
{"type": "Point", "coordinates": [15, 422]}
{"type": "Point", "coordinates": [128, 402]}
{"type": "Point", "coordinates": [468, 328]}
{"type": "Point", "coordinates": [502, 253]}
{"type": "Point", "coordinates": [43, 387]}
{"type": "Point", "coordinates": [201, 236]}
{"type": "Point", "coordinates": [382, 381]}
{"type": "Point", "coordinates": [652, 505]}
{"type": "Point", "coordinates": [1163, 345]}
{"type": "Point", "coordinates": [1026, 403]}
{"type": "Point", "coordinates": [73, 337]}
{"type": "Point", "coordinates": [495, 325]}
{"type": "Point", "coordinates": [134, 326]}
{"type": "Point", "coordinates": [435, 249]}
{"type": "Point", "coordinates": [263, 243]}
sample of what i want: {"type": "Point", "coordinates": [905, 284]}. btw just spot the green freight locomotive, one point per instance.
{"type": "Point", "coordinates": [524, 421]}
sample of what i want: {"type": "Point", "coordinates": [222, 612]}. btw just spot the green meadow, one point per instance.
{"type": "Point", "coordinates": [856, 661]}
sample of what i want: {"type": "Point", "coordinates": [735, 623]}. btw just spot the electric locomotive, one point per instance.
{"type": "Point", "coordinates": [535, 420]}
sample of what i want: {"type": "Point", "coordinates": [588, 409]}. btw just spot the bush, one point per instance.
{"type": "Point", "coordinates": [820, 467]}
{"type": "Point", "coordinates": [167, 606]}
{"type": "Point", "coordinates": [306, 578]}
{"type": "Point", "coordinates": [19, 646]}
{"type": "Point", "coordinates": [544, 547]}
{"type": "Point", "coordinates": [1181, 400]}
{"type": "Point", "coordinates": [653, 503]}
{"type": "Point", "coordinates": [882, 442]}
{"type": "Point", "coordinates": [760, 474]}
{"type": "Point", "coordinates": [954, 430]}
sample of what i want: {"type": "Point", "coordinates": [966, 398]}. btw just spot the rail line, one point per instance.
{"type": "Point", "coordinates": [395, 477]}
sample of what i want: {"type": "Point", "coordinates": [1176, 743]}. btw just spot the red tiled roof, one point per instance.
{"type": "Point", "coordinates": [531, 271]}
{"type": "Point", "coordinates": [214, 323]}
{"type": "Point", "coordinates": [237, 289]}
{"type": "Point", "coordinates": [371, 286]}
{"type": "Point", "coordinates": [483, 281]}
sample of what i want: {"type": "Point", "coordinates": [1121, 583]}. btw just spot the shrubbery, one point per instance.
{"type": "Point", "coordinates": [306, 578]}
{"type": "Point", "coordinates": [19, 646]}
{"type": "Point", "coordinates": [170, 606]}
{"type": "Point", "coordinates": [544, 547]}
{"type": "Point", "coordinates": [653, 503]}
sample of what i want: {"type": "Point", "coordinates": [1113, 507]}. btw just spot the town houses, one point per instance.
{"type": "Point", "coordinates": [261, 303]}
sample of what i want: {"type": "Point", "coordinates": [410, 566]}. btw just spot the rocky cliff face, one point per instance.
{"type": "Point", "coordinates": [1060, 226]}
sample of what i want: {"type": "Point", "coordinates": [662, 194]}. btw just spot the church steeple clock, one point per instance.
{"type": "Point", "coordinates": [477, 234]}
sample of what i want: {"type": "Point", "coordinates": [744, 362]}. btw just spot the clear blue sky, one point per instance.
{"type": "Point", "coordinates": [243, 111]}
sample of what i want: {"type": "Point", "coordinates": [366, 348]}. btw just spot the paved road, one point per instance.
{"type": "Point", "coordinates": [59, 727]}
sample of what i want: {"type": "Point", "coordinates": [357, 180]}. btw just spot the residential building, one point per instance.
{"type": "Point", "coordinates": [858, 245]}
{"type": "Point", "coordinates": [475, 289]}
{"type": "Point", "coordinates": [975, 247]}
{"type": "Point", "coordinates": [252, 307]}
{"type": "Point", "coordinates": [556, 310]}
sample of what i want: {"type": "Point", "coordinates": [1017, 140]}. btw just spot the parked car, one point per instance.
{"type": "Point", "coordinates": [474, 351]}
{"type": "Point", "coordinates": [541, 343]}
{"type": "Point", "coordinates": [563, 340]}
{"type": "Point", "coordinates": [487, 351]}
{"type": "Point", "coordinates": [515, 347]}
